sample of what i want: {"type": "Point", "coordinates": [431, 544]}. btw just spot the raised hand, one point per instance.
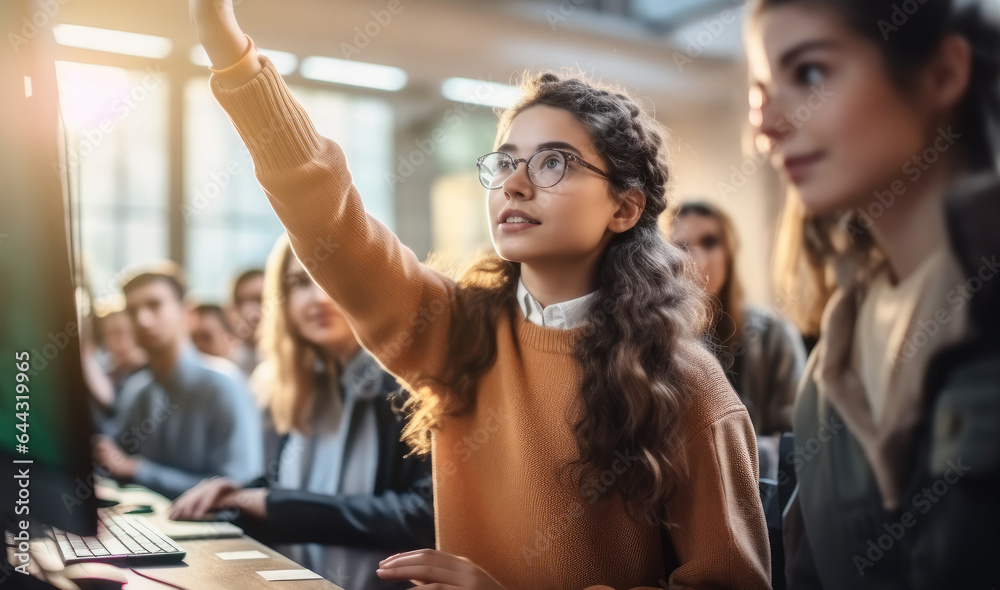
{"type": "Point", "coordinates": [218, 31]}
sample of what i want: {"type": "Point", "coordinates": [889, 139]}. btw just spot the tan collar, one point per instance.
{"type": "Point", "coordinates": [887, 444]}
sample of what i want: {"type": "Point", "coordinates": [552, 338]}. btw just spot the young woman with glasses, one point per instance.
{"type": "Point", "coordinates": [581, 437]}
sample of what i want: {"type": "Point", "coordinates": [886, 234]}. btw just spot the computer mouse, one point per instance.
{"type": "Point", "coordinates": [96, 576]}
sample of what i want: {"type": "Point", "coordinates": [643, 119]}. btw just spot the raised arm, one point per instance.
{"type": "Point", "coordinates": [222, 38]}
{"type": "Point", "coordinates": [400, 309]}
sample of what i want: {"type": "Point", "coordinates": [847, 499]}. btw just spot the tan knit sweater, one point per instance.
{"type": "Point", "coordinates": [498, 496]}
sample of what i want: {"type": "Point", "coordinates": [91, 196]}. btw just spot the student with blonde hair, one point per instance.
{"type": "Point", "coordinates": [337, 477]}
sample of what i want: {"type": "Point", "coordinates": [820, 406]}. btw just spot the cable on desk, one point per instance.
{"type": "Point", "coordinates": [138, 573]}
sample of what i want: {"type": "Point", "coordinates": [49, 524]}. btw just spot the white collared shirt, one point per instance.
{"type": "Point", "coordinates": [564, 316]}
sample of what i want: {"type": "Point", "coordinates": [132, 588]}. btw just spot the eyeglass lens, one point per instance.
{"type": "Point", "coordinates": [545, 169]}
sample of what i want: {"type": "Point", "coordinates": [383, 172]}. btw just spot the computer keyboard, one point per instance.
{"type": "Point", "coordinates": [120, 537]}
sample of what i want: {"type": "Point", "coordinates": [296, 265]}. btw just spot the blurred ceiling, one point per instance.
{"type": "Point", "coordinates": [667, 51]}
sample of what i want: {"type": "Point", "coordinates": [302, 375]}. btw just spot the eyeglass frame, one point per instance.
{"type": "Point", "coordinates": [570, 157]}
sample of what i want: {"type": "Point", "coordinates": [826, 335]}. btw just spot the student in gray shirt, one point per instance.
{"type": "Point", "coordinates": [185, 416]}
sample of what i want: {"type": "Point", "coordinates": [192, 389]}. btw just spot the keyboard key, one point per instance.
{"type": "Point", "coordinates": [118, 536]}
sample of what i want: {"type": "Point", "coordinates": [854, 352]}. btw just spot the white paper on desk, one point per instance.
{"type": "Point", "coordinates": [281, 575]}
{"type": "Point", "coordinates": [242, 555]}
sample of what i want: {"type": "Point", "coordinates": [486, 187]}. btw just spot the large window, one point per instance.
{"type": "Point", "coordinates": [116, 164]}
{"type": "Point", "coordinates": [229, 223]}
{"type": "Point", "coordinates": [458, 200]}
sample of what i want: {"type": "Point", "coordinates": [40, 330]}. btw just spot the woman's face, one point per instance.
{"type": "Point", "coordinates": [568, 221]}
{"type": "Point", "coordinates": [313, 315]}
{"type": "Point", "coordinates": [701, 236]}
{"type": "Point", "coordinates": [839, 130]}
{"type": "Point", "coordinates": [119, 338]}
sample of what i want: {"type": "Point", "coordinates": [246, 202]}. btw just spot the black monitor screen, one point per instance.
{"type": "Point", "coordinates": [44, 419]}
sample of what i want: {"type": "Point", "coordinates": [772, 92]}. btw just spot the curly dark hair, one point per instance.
{"type": "Point", "coordinates": [646, 307]}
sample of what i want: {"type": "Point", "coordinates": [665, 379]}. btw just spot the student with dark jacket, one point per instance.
{"type": "Point", "coordinates": [762, 353]}
{"type": "Point", "coordinates": [337, 472]}
{"type": "Point", "coordinates": [885, 122]}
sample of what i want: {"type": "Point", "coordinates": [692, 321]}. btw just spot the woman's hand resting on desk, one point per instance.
{"type": "Point", "coordinates": [217, 493]}
{"type": "Point", "coordinates": [436, 570]}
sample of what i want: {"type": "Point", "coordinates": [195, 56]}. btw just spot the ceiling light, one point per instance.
{"type": "Point", "coordinates": [112, 41]}
{"type": "Point", "coordinates": [479, 92]}
{"type": "Point", "coordinates": [353, 73]}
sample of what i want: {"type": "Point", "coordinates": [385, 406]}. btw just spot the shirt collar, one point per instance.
{"type": "Point", "coordinates": [188, 361]}
{"type": "Point", "coordinates": [564, 316]}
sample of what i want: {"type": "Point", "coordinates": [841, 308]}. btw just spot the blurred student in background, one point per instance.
{"type": "Point", "coordinates": [246, 312]}
{"type": "Point", "coordinates": [121, 354]}
{"type": "Point", "coordinates": [185, 416]}
{"type": "Point", "coordinates": [336, 467]}
{"type": "Point", "coordinates": [762, 353]}
{"type": "Point", "coordinates": [885, 119]}
{"type": "Point", "coordinates": [211, 332]}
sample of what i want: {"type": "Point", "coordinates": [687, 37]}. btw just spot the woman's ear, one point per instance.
{"type": "Point", "coordinates": [949, 73]}
{"type": "Point", "coordinates": [628, 212]}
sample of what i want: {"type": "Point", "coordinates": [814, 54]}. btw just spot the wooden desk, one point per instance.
{"type": "Point", "coordinates": [203, 569]}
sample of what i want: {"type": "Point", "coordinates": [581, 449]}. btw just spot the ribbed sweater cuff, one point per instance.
{"type": "Point", "coordinates": [266, 115]}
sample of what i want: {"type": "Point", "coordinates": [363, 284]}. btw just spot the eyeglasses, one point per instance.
{"type": "Point", "coordinates": [545, 167]}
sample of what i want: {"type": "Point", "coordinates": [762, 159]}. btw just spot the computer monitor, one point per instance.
{"type": "Point", "coordinates": [45, 424]}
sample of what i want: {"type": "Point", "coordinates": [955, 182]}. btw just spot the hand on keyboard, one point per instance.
{"type": "Point", "coordinates": [218, 493]}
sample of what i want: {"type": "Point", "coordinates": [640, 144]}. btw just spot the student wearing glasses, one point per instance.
{"type": "Point", "coordinates": [581, 436]}
{"type": "Point", "coordinates": [762, 353]}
